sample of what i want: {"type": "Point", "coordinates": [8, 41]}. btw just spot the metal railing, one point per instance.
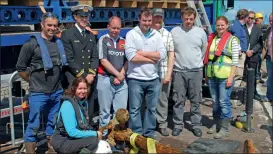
{"type": "Point", "coordinates": [14, 110]}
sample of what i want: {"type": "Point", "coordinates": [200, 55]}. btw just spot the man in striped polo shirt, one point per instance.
{"type": "Point", "coordinates": [165, 71]}
{"type": "Point", "coordinates": [112, 87]}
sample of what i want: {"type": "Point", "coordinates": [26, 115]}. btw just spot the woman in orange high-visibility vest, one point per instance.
{"type": "Point", "coordinates": [221, 60]}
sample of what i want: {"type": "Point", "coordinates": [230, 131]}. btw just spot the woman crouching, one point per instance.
{"type": "Point", "coordinates": [221, 61]}
{"type": "Point", "coordinates": [73, 133]}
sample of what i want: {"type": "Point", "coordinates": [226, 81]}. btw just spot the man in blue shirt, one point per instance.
{"type": "Point", "coordinates": [238, 30]}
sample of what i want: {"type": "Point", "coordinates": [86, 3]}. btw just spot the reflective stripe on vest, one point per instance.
{"type": "Point", "coordinates": [221, 67]}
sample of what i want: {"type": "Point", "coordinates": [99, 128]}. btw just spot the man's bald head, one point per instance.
{"type": "Point", "coordinates": [114, 19]}
{"type": "Point", "coordinates": [114, 26]}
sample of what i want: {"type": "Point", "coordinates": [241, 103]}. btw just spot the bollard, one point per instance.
{"type": "Point", "coordinates": [249, 103]}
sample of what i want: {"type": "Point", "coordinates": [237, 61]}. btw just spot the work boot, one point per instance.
{"type": "Point", "coordinates": [30, 147]}
{"type": "Point", "coordinates": [50, 149]}
{"type": "Point", "coordinates": [215, 127]}
{"type": "Point", "coordinates": [163, 131]}
{"type": "Point", "coordinates": [224, 131]}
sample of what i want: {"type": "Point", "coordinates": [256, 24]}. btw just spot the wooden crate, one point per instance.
{"type": "Point", "coordinates": [128, 3]}
{"type": "Point", "coordinates": [112, 3]}
{"type": "Point", "coordinates": [174, 4]}
{"type": "Point", "coordinates": [3, 2]}
{"type": "Point", "coordinates": [24, 2]}
{"type": "Point", "coordinates": [148, 4]}
{"type": "Point", "coordinates": [160, 4]}
{"type": "Point", "coordinates": [152, 3]}
{"type": "Point", "coordinates": [87, 2]}
{"type": "Point", "coordinates": [101, 3]}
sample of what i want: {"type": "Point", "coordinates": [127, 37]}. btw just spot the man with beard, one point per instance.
{"type": "Point", "coordinates": [81, 51]}
{"type": "Point", "coordinates": [144, 49]}
{"type": "Point", "coordinates": [40, 63]}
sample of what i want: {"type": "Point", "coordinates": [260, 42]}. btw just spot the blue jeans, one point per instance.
{"type": "Point", "coordinates": [269, 79]}
{"type": "Point", "coordinates": [221, 98]}
{"type": "Point", "coordinates": [40, 103]}
{"type": "Point", "coordinates": [137, 90]}
{"type": "Point", "coordinates": [109, 94]}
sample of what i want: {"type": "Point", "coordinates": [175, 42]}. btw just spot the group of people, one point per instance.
{"type": "Point", "coordinates": [256, 46]}
{"type": "Point", "coordinates": [126, 73]}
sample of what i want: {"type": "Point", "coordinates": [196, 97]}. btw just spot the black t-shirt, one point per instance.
{"type": "Point", "coordinates": [30, 59]}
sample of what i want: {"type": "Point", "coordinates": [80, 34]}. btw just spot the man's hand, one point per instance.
{"type": "Point", "coordinates": [167, 79]}
{"type": "Point", "coordinates": [249, 53]}
{"type": "Point", "coordinates": [206, 80]}
{"type": "Point", "coordinates": [90, 78]}
{"type": "Point", "coordinates": [99, 135]}
{"type": "Point", "coordinates": [120, 77]}
{"type": "Point", "coordinates": [140, 52]}
{"type": "Point", "coordinates": [116, 81]}
{"type": "Point", "coordinates": [24, 75]}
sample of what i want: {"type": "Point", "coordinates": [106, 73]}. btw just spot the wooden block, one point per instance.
{"type": "Point", "coordinates": [99, 3]}
{"type": "Point", "coordinates": [145, 4]}
{"type": "Point", "coordinates": [173, 5]}
{"type": "Point", "coordinates": [24, 2]}
{"type": "Point", "coordinates": [159, 4]}
{"type": "Point", "coordinates": [3, 2]}
{"type": "Point", "coordinates": [128, 4]}
{"type": "Point", "coordinates": [87, 2]}
{"type": "Point", "coordinates": [112, 3]}
{"type": "Point", "coordinates": [183, 5]}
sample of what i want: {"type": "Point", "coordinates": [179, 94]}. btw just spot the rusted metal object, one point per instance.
{"type": "Point", "coordinates": [119, 132]}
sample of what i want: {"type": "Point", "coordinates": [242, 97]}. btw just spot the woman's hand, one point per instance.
{"type": "Point", "coordinates": [206, 80]}
{"type": "Point", "coordinates": [229, 82]}
{"type": "Point", "coordinates": [99, 135]}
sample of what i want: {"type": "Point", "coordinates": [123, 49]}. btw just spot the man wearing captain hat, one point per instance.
{"type": "Point", "coordinates": [81, 50]}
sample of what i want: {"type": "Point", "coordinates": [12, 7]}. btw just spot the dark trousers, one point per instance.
{"type": "Point", "coordinates": [63, 144]}
{"type": "Point", "coordinates": [253, 65]}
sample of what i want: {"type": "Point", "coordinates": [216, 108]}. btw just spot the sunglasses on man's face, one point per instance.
{"type": "Point", "coordinates": [251, 18]}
